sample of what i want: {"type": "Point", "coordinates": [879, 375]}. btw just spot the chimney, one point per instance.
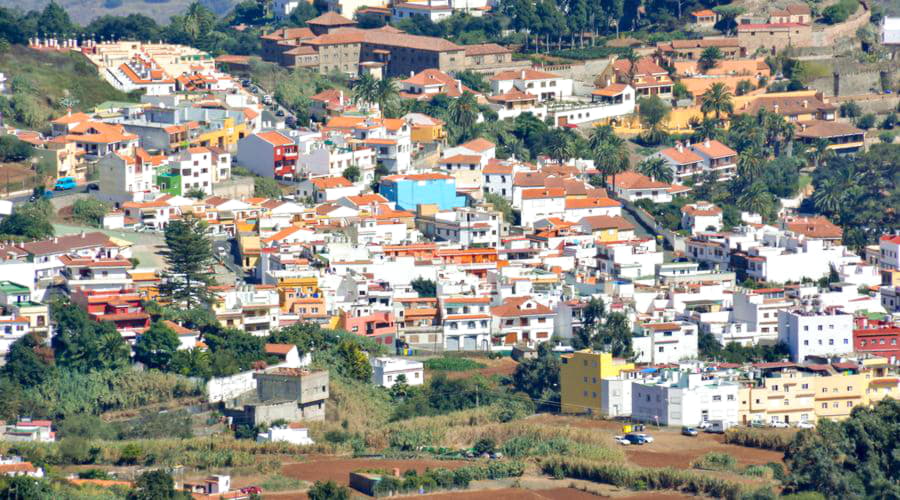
{"type": "Point", "coordinates": [459, 86]}
{"type": "Point", "coordinates": [82, 235]}
{"type": "Point", "coordinates": [523, 74]}
{"type": "Point", "coordinates": [775, 107]}
{"type": "Point", "coordinates": [706, 143]}
{"type": "Point", "coordinates": [805, 103]}
{"type": "Point", "coordinates": [341, 97]}
{"type": "Point", "coordinates": [679, 147]}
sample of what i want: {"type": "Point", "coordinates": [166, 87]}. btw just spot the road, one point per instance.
{"type": "Point", "coordinates": [225, 254]}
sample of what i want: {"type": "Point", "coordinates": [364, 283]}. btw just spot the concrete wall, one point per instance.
{"type": "Point", "coordinates": [224, 388]}
{"type": "Point", "coordinates": [306, 389]}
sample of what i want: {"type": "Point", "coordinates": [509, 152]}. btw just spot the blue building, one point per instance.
{"type": "Point", "coordinates": [409, 191]}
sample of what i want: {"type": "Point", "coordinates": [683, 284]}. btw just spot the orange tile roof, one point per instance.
{"type": "Point", "coordinates": [330, 182]}
{"type": "Point", "coordinates": [68, 119]}
{"type": "Point", "coordinates": [523, 74]}
{"type": "Point", "coordinates": [605, 222]}
{"type": "Point", "coordinates": [814, 227]}
{"type": "Point", "coordinates": [703, 13]}
{"type": "Point", "coordinates": [682, 157]}
{"type": "Point", "coordinates": [279, 349]}
{"type": "Point", "coordinates": [513, 95]}
{"type": "Point", "coordinates": [486, 48]}
{"type": "Point", "coordinates": [512, 307]}
{"type": "Point", "coordinates": [611, 90]}
{"type": "Point", "coordinates": [460, 158]}
{"type": "Point", "coordinates": [591, 203]}
{"type": "Point", "coordinates": [714, 149]}
{"type": "Point", "coordinates": [479, 145]}
{"type": "Point", "coordinates": [330, 18]}
{"type": "Point", "coordinates": [536, 194]}
{"type": "Point", "coordinates": [347, 36]}
{"type": "Point", "coordinates": [634, 180]}
{"type": "Point", "coordinates": [275, 138]}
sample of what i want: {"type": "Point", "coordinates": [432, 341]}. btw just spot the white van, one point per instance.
{"type": "Point", "coordinates": [719, 426]}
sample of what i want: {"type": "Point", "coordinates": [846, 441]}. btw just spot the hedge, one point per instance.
{"type": "Point", "coordinates": [642, 479]}
{"type": "Point", "coordinates": [446, 479]}
{"type": "Point", "coordinates": [769, 439]}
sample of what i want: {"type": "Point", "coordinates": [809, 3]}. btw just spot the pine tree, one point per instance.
{"type": "Point", "coordinates": [189, 258]}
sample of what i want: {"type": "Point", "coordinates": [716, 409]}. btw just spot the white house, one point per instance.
{"type": "Point", "coordinates": [629, 259]}
{"type": "Point", "coordinates": [545, 86]}
{"type": "Point", "coordinates": [386, 371]}
{"type": "Point", "coordinates": [667, 342]}
{"type": "Point", "coordinates": [433, 10]}
{"type": "Point", "coordinates": [811, 333]}
{"type": "Point", "coordinates": [633, 186]}
{"type": "Point", "coordinates": [701, 217]}
{"type": "Point", "coordinates": [890, 31]}
{"type": "Point", "coordinates": [540, 204]}
{"type": "Point", "coordinates": [681, 398]}
{"type": "Point", "coordinates": [467, 323]}
{"type": "Point", "coordinates": [291, 433]}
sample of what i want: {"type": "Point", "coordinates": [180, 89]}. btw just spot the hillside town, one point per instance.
{"type": "Point", "coordinates": [330, 249]}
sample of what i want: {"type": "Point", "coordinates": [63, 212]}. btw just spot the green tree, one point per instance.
{"type": "Point", "coordinates": [189, 258]}
{"type": "Point", "coordinates": [196, 193]}
{"type": "Point", "coordinates": [744, 87]}
{"type": "Point", "coordinates": [328, 490]}
{"type": "Point", "coordinates": [84, 345]}
{"type": "Point", "coordinates": [90, 211]}
{"type": "Point", "coordinates": [31, 220]}
{"type": "Point", "coordinates": [463, 114]}
{"type": "Point", "coordinates": [716, 100]}
{"type": "Point", "coordinates": [614, 336]}
{"type": "Point", "coordinates": [539, 377]}
{"type": "Point", "coordinates": [13, 149]}
{"type": "Point", "coordinates": [266, 188]}
{"type": "Point", "coordinates": [191, 363]}
{"type": "Point", "coordinates": [502, 205]}
{"type": "Point", "coordinates": [355, 362]}
{"type": "Point", "coordinates": [657, 169]}
{"type": "Point", "coordinates": [24, 487]}
{"type": "Point", "coordinates": [756, 199]}
{"type": "Point", "coordinates": [424, 287]}
{"type": "Point", "coordinates": [156, 485]}
{"type": "Point", "coordinates": [156, 346]}
{"type": "Point", "coordinates": [559, 145]}
{"type": "Point", "coordinates": [365, 90]}
{"type": "Point", "coordinates": [653, 112]}
{"type": "Point", "coordinates": [29, 362]}
{"type": "Point", "coordinates": [352, 173]}
{"type": "Point", "coordinates": [386, 95]}
{"type": "Point", "coordinates": [709, 58]}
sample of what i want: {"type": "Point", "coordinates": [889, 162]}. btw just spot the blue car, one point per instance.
{"type": "Point", "coordinates": [636, 439]}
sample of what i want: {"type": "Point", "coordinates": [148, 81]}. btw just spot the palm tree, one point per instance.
{"type": "Point", "coordinates": [193, 20]}
{"type": "Point", "coordinates": [819, 151]}
{"type": "Point", "coordinates": [599, 135]}
{"type": "Point", "coordinates": [463, 114]}
{"type": "Point", "coordinates": [750, 163]}
{"type": "Point", "coordinates": [612, 158]}
{"type": "Point", "coordinates": [716, 99]}
{"type": "Point", "coordinates": [366, 89]}
{"type": "Point", "coordinates": [828, 196]}
{"type": "Point", "coordinates": [709, 58]}
{"type": "Point", "coordinates": [559, 145]}
{"type": "Point", "coordinates": [706, 129]}
{"type": "Point", "coordinates": [386, 93]}
{"type": "Point", "coordinates": [657, 169]}
{"type": "Point", "coordinates": [756, 199]}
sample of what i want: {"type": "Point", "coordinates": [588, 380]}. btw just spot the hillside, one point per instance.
{"type": "Point", "coordinates": [45, 77]}
{"type": "Point", "coordinates": [83, 11]}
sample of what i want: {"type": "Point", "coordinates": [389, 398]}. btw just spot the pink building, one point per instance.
{"type": "Point", "coordinates": [379, 325]}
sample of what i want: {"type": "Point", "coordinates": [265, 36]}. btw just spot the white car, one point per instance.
{"type": "Point", "coordinates": [805, 425]}
{"type": "Point", "coordinates": [621, 440]}
{"type": "Point", "coordinates": [779, 425]}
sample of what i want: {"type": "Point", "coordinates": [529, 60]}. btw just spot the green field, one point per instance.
{"type": "Point", "coordinates": [47, 76]}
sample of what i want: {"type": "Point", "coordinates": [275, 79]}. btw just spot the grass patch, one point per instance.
{"type": "Point", "coordinates": [523, 440]}
{"type": "Point", "coordinates": [48, 75]}
{"type": "Point", "coordinates": [715, 461]}
{"type": "Point", "coordinates": [453, 364]}
{"type": "Point", "coordinates": [769, 439]}
{"type": "Point", "coordinates": [282, 483]}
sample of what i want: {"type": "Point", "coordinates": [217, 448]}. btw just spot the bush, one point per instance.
{"type": "Point", "coordinates": [770, 439]}
{"type": "Point", "coordinates": [777, 470]}
{"type": "Point", "coordinates": [886, 137]}
{"type": "Point", "coordinates": [444, 479]}
{"type": "Point", "coordinates": [889, 121]}
{"type": "Point", "coordinates": [484, 445]}
{"type": "Point", "coordinates": [866, 121]}
{"type": "Point", "coordinates": [715, 461]}
{"type": "Point", "coordinates": [757, 471]}
{"type": "Point", "coordinates": [453, 364]}
{"type": "Point", "coordinates": [839, 12]}
{"type": "Point", "coordinates": [649, 478]}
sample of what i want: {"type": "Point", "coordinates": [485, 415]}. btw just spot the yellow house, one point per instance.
{"type": "Point", "coordinates": [248, 246]}
{"type": "Point", "coordinates": [425, 129]}
{"type": "Point", "coordinates": [225, 137]}
{"type": "Point", "coordinates": [580, 374]}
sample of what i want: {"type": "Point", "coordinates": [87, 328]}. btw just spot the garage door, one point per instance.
{"type": "Point", "coordinates": [470, 343]}
{"type": "Point", "coordinates": [452, 343]}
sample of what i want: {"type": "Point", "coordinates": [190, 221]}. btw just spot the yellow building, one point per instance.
{"type": "Point", "coordinates": [580, 374]}
{"type": "Point", "coordinates": [248, 246]}
{"type": "Point", "coordinates": [225, 137]}
{"type": "Point", "coordinates": [425, 129]}
{"type": "Point", "coordinates": [811, 392]}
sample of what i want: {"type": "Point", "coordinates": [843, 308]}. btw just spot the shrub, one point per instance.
{"type": "Point", "coordinates": [484, 445]}
{"type": "Point", "coordinates": [757, 471]}
{"type": "Point", "coordinates": [650, 478]}
{"type": "Point", "coordinates": [453, 364]}
{"type": "Point", "coordinates": [777, 470]}
{"type": "Point", "coordinates": [715, 461]}
{"type": "Point", "coordinates": [886, 136]}
{"type": "Point", "coordinates": [770, 439]}
{"type": "Point", "coordinates": [839, 12]}
{"type": "Point", "coordinates": [866, 121]}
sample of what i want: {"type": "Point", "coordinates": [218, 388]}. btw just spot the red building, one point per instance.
{"type": "Point", "coordinates": [877, 337]}
{"type": "Point", "coordinates": [121, 307]}
{"type": "Point", "coordinates": [269, 154]}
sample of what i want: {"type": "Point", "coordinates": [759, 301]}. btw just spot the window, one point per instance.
{"type": "Point", "coordinates": [804, 386]}
{"type": "Point", "coordinates": [824, 405]}
{"type": "Point", "coordinates": [849, 404]}
{"type": "Point", "coordinates": [717, 398]}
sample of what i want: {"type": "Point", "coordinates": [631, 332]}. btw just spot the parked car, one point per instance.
{"type": "Point", "coordinates": [689, 431]}
{"type": "Point", "coordinates": [635, 439]}
{"type": "Point", "coordinates": [805, 425]}
{"type": "Point", "coordinates": [648, 438]}
{"type": "Point", "coordinates": [757, 424]}
{"type": "Point", "coordinates": [64, 183]}
{"type": "Point", "coordinates": [92, 187]}
{"type": "Point", "coordinates": [719, 426]}
{"type": "Point", "coordinates": [621, 440]}
{"type": "Point", "coordinates": [779, 424]}
{"type": "Point", "coordinates": [280, 112]}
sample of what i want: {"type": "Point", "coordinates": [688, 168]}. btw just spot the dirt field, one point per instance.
{"type": "Point", "coordinates": [670, 448]}
{"type": "Point", "coordinates": [17, 176]}
{"type": "Point", "coordinates": [338, 470]}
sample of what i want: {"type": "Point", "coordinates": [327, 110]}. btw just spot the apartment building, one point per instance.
{"type": "Point", "coordinates": [633, 259]}
{"type": "Point", "coordinates": [269, 154]}
{"type": "Point", "coordinates": [254, 309]}
{"type": "Point", "coordinates": [467, 323]}
{"type": "Point", "coordinates": [811, 333]}
{"type": "Point", "coordinates": [581, 374]}
{"type": "Point", "coordinates": [684, 398]}
{"type": "Point", "coordinates": [521, 321]}
{"type": "Point", "coordinates": [541, 84]}
{"type": "Point", "coordinates": [701, 217]}
{"type": "Point", "coordinates": [469, 227]}
{"type": "Point", "coordinates": [759, 310]}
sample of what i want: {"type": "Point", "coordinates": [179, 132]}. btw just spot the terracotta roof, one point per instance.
{"type": "Point", "coordinates": [478, 145]}
{"type": "Point", "coordinates": [611, 90]}
{"type": "Point", "coordinates": [486, 48]}
{"type": "Point", "coordinates": [513, 307]}
{"type": "Point", "coordinates": [367, 199]}
{"type": "Point", "coordinates": [714, 149]}
{"type": "Point", "coordinates": [817, 227]}
{"type": "Point", "coordinates": [17, 468]}
{"type": "Point", "coordinates": [523, 74]}
{"type": "Point", "coordinates": [68, 119]}
{"type": "Point", "coordinates": [645, 66]}
{"type": "Point", "coordinates": [529, 179]}
{"type": "Point", "coordinates": [464, 159]}
{"type": "Point", "coordinates": [605, 222]}
{"type": "Point", "coordinates": [345, 36]}
{"type": "Point", "coordinates": [634, 180]}
{"type": "Point", "coordinates": [330, 182]}
{"type": "Point", "coordinates": [279, 349]}
{"type": "Point", "coordinates": [703, 13]}
{"type": "Point", "coordinates": [497, 167]}
{"type": "Point", "coordinates": [178, 329]}
{"type": "Point", "coordinates": [536, 194]}
{"type": "Point", "coordinates": [275, 138]}
{"type": "Point", "coordinates": [466, 300]}
{"type": "Point", "coordinates": [330, 18]}
{"type": "Point", "coordinates": [63, 244]}
{"type": "Point", "coordinates": [787, 104]}
{"type": "Point", "coordinates": [591, 203]}
{"type": "Point", "coordinates": [698, 44]}
{"type": "Point", "coordinates": [701, 209]}
{"type": "Point", "coordinates": [769, 26]}
{"type": "Point", "coordinates": [513, 95]}
{"type": "Point", "coordinates": [682, 157]}
{"type": "Point", "coordinates": [289, 34]}
{"type": "Point", "coordinates": [826, 129]}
